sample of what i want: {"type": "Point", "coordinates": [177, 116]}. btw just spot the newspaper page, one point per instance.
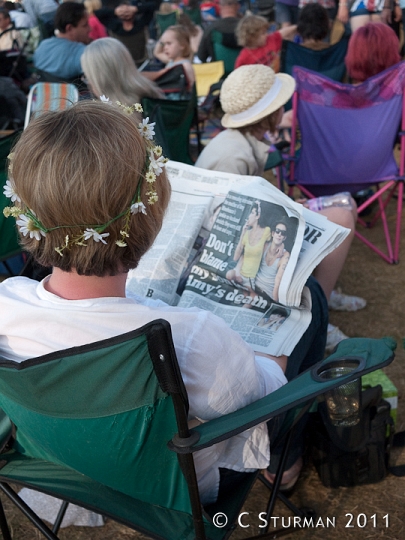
{"type": "Point", "coordinates": [267, 326]}
{"type": "Point", "coordinates": [320, 238]}
{"type": "Point", "coordinates": [159, 271]}
{"type": "Point", "coordinates": [248, 257]}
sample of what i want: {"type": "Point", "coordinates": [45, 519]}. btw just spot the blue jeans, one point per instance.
{"type": "Point", "coordinates": [309, 350]}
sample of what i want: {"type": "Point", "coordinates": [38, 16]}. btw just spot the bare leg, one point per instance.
{"type": "Point", "coordinates": [359, 20]}
{"type": "Point", "coordinates": [328, 270]}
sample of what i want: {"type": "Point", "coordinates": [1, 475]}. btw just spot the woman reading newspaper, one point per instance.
{"type": "Point", "coordinates": [252, 98]}
{"type": "Point", "coordinates": [89, 191]}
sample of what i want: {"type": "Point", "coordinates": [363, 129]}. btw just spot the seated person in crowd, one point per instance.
{"type": "Point", "coordinates": [128, 23]}
{"type": "Point", "coordinates": [195, 32]}
{"type": "Point", "coordinates": [97, 30]}
{"type": "Point", "coordinates": [85, 174]}
{"type": "Point", "coordinates": [42, 12]}
{"type": "Point", "coordinates": [10, 38]}
{"type": "Point", "coordinates": [18, 15]}
{"type": "Point", "coordinates": [259, 47]}
{"type": "Point", "coordinates": [225, 25]}
{"type": "Point", "coordinates": [372, 49]}
{"type": "Point", "coordinates": [173, 49]}
{"type": "Point", "coordinates": [313, 27]}
{"type": "Point", "coordinates": [252, 98]}
{"type": "Point", "coordinates": [110, 71]}
{"type": "Point", "coordinates": [60, 55]}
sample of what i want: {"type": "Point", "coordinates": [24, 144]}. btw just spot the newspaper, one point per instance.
{"type": "Point", "coordinates": [237, 246]}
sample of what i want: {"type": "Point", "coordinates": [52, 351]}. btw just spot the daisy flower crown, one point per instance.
{"type": "Point", "coordinates": [30, 225]}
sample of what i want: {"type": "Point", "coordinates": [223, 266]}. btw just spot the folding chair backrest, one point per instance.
{"type": "Point", "coordinates": [9, 245]}
{"type": "Point", "coordinates": [164, 20]}
{"type": "Point", "coordinates": [47, 96]}
{"type": "Point", "coordinates": [177, 117]}
{"type": "Point", "coordinates": [207, 74]}
{"type": "Point", "coordinates": [221, 52]}
{"type": "Point", "coordinates": [347, 132]}
{"type": "Point", "coordinates": [330, 62]}
{"type": "Point", "coordinates": [194, 14]}
{"type": "Point", "coordinates": [100, 410]}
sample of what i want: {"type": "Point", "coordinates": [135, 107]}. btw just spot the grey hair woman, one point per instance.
{"type": "Point", "coordinates": [111, 71]}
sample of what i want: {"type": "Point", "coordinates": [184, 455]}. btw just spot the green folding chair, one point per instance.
{"type": "Point", "coordinates": [94, 423]}
{"type": "Point", "coordinates": [174, 120]}
{"type": "Point", "coordinates": [164, 20]}
{"type": "Point", "coordinates": [9, 245]}
{"type": "Point", "coordinates": [221, 52]}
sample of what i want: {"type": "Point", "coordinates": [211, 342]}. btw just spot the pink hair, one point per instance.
{"type": "Point", "coordinates": [372, 48]}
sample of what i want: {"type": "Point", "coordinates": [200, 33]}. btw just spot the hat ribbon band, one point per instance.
{"type": "Point", "coordinates": [260, 105]}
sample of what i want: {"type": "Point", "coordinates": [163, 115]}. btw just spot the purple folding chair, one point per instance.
{"type": "Point", "coordinates": [348, 134]}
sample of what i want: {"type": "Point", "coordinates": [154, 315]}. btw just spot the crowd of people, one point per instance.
{"type": "Point", "coordinates": [85, 165]}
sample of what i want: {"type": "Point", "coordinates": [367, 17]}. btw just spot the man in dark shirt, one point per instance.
{"type": "Point", "coordinates": [127, 23]}
{"type": "Point", "coordinates": [226, 25]}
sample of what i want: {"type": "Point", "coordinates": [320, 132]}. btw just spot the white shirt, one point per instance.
{"type": "Point", "coordinates": [220, 371]}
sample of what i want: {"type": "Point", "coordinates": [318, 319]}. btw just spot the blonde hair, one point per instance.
{"type": "Point", "coordinates": [248, 28]}
{"type": "Point", "coordinates": [111, 71]}
{"type": "Point", "coordinates": [92, 5]}
{"type": "Point", "coordinates": [81, 167]}
{"type": "Point", "coordinates": [183, 37]}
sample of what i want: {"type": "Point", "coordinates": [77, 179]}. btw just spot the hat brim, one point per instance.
{"type": "Point", "coordinates": [285, 93]}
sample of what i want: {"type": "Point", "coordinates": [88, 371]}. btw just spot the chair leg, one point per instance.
{"type": "Point", "coordinates": [60, 516]}
{"type": "Point", "coordinates": [5, 531]}
{"type": "Point", "coordinates": [26, 510]}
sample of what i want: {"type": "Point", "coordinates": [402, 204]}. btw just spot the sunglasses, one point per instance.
{"type": "Point", "coordinates": [280, 231]}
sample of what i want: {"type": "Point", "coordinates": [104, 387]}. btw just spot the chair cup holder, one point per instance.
{"type": "Point", "coordinates": [343, 403]}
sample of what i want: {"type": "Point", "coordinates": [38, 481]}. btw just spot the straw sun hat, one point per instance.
{"type": "Point", "coordinates": [251, 93]}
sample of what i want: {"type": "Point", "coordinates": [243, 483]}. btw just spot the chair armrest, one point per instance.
{"type": "Point", "coordinates": [304, 388]}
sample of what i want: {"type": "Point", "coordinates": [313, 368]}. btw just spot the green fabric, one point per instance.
{"type": "Point", "coordinates": [330, 61]}
{"type": "Point", "coordinates": [68, 484]}
{"type": "Point", "coordinates": [55, 405]}
{"type": "Point", "coordinates": [101, 387]}
{"type": "Point", "coordinates": [194, 14]}
{"type": "Point", "coordinates": [164, 20]}
{"type": "Point", "coordinates": [273, 160]}
{"type": "Point", "coordinates": [227, 54]}
{"type": "Point", "coordinates": [377, 353]}
{"type": "Point", "coordinates": [177, 117]}
{"type": "Point", "coordinates": [9, 245]}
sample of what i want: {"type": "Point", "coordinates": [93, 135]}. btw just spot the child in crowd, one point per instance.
{"type": "Point", "coordinates": [173, 49]}
{"type": "Point", "coordinates": [259, 47]}
{"type": "Point", "coordinates": [98, 30]}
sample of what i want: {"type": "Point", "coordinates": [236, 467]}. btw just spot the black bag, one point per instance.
{"type": "Point", "coordinates": [174, 81]}
{"type": "Point", "coordinates": [351, 456]}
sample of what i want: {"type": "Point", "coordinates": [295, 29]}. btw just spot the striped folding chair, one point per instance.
{"type": "Point", "coordinates": [46, 96]}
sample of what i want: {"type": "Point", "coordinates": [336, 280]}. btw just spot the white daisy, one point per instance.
{"type": "Point", "coordinates": [28, 227]}
{"type": "Point", "coordinates": [147, 130]}
{"type": "Point", "coordinates": [104, 99]}
{"type": "Point", "coordinates": [138, 207]}
{"type": "Point", "coordinates": [157, 150]}
{"type": "Point", "coordinates": [10, 192]}
{"type": "Point", "coordinates": [150, 176]}
{"type": "Point", "coordinates": [138, 107]}
{"type": "Point", "coordinates": [97, 237]}
{"type": "Point", "coordinates": [157, 164]}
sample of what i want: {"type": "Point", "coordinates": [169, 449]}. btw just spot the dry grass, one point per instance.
{"type": "Point", "coordinates": [383, 286]}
